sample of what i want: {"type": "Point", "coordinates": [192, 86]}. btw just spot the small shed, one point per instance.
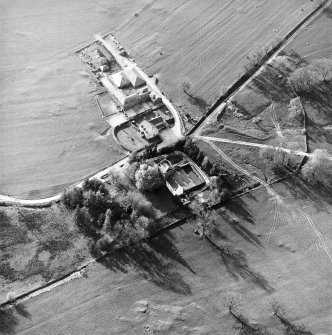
{"type": "Point", "coordinates": [105, 53]}
{"type": "Point", "coordinates": [148, 129]}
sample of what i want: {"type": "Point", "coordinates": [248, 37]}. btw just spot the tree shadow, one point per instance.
{"type": "Point", "coordinates": [320, 98]}
{"type": "Point", "coordinates": [163, 246]}
{"type": "Point", "coordinates": [291, 328]}
{"type": "Point", "coordinates": [151, 265]}
{"type": "Point", "coordinates": [239, 207]}
{"type": "Point", "coordinates": [237, 266]}
{"type": "Point", "coordinates": [247, 234]}
{"type": "Point", "coordinates": [272, 85]}
{"type": "Point", "coordinates": [318, 195]}
{"type": "Point", "coordinates": [316, 133]}
{"type": "Point", "coordinates": [218, 234]}
{"type": "Point", "coordinates": [9, 319]}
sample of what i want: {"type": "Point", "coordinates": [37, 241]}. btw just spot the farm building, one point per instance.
{"type": "Point", "coordinates": [120, 80]}
{"type": "Point", "coordinates": [148, 130]}
{"type": "Point", "coordinates": [103, 52]}
{"type": "Point", "coordinates": [135, 79]}
{"type": "Point", "coordinates": [180, 178]}
{"type": "Point", "coordinates": [155, 99]}
{"type": "Point", "coordinates": [158, 122]}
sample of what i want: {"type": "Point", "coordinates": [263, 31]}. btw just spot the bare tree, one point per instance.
{"type": "Point", "coordinates": [246, 328]}
{"type": "Point", "coordinates": [289, 327]}
{"type": "Point", "coordinates": [318, 168]}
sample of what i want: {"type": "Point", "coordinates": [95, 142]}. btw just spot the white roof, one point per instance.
{"type": "Point", "coordinates": [135, 79]}
{"type": "Point", "coordinates": [120, 80]}
{"type": "Point", "coordinates": [150, 130]}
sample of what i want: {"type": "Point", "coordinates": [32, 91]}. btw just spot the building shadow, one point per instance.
{"type": "Point", "coordinates": [237, 266]}
{"type": "Point", "coordinates": [153, 265]}
{"type": "Point", "coordinates": [9, 318]}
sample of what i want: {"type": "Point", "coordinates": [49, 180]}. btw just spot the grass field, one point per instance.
{"type": "Point", "coordinates": [178, 284]}
{"type": "Point", "coordinates": [313, 43]}
{"type": "Point", "coordinates": [36, 247]}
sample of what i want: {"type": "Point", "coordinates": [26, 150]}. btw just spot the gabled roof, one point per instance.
{"type": "Point", "coordinates": [135, 79]}
{"type": "Point", "coordinates": [120, 80]}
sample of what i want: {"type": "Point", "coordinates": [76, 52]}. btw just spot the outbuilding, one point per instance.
{"type": "Point", "coordinates": [148, 130]}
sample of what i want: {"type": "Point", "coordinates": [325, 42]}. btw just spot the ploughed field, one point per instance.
{"type": "Point", "coordinates": [202, 45]}
{"type": "Point", "coordinates": [50, 124]}
{"type": "Point", "coordinates": [178, 283]}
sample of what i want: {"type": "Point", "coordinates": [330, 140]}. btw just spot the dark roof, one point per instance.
{"type": "Point", "coordinates": [105, 52]}
{"type": "Point", "coordinates": [185, 177]}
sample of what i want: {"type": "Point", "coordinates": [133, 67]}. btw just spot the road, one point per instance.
{"type": "Point", "coordinates": [7, 200]}
{"type": "Point", "coordinates": [259, 145]}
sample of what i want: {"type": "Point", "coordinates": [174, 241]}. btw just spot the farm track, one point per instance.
{"type": "Point", "coordinates": [259, 145]}
{"type": "Point", "coordinates": [279, 201]}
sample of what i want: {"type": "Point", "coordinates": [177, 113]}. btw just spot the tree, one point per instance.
{"type": "Point", "coordinates": [140, 205]}
{"type": "Point", "coordinates": [194, 99]}
{"type": "Point", "coordinates": [108, 222]}
{"type": "Point", "coordinates": [318, 169]}
{"type": "Point", "coordinates": [246, 328]}
{"type": "Point", "coordinates": [215, 170]}
{"type": "Point", "coordinates": [148, 178]}
{"type": "Point", "coordinates": [200, 157]}
{"type": "Point", "coordinates": [303, 78]}
{"type": "Point", "coordinates": [72, 197]}
{"type": "Point", "coordinates": [322, 68]}
{"type": "Point", "coordinates": [83, 220]}
{"type": "Point", "coordinates": [191, 149]}
{"type": "Point", "coordinates": [290, 328]}
{"type": "Point", "coordinates": [206, 165]}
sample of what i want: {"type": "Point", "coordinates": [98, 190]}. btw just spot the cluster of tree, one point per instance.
{"type": "Point", "coordinates": [308, 76]}
{"type": "Point", "coordinates": [109, 220]}
{"type": "Point", "coordinates": [206, 223]}
{"type": "Point", "coordinates": [279, 161]}
{"type": "Point", "coordinates": [225, 180]}
{"type": "Point", "coordinates": [318, 169]}
{"type": "Point", "coordinates": [148, 178]}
